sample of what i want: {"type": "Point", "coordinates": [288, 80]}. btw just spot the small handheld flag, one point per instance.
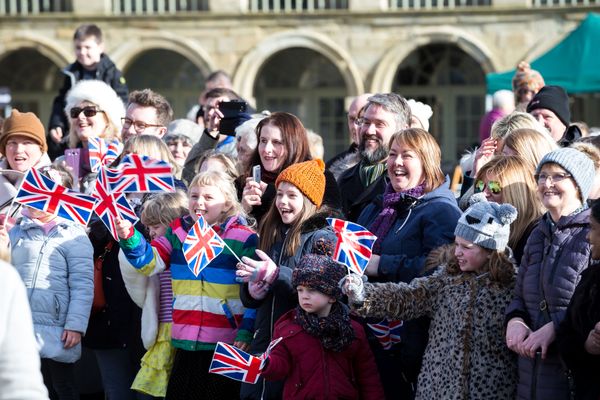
{"type": "Point", "coordinates": [109, 205]}
{"type": "Point", "coordinates": [102, 152]}
{"type": "Point", "coordinates": [387, 332]}
{"type": "Point", "coordinates": [354, 244]}
{"type": "Point", "coordinates": [201, 246]}
{"type": "Point", "coordinates": [42, 193]}
{"type": "Point", "coordinates": [235, 364]}
{"type": "Point", "coordinates": [138, 173]}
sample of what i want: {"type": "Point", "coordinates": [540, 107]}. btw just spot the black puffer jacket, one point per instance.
{"type": "Point", "coordinates": [555, 256]}
{"type": "Point", "coordinates": [106, 71]}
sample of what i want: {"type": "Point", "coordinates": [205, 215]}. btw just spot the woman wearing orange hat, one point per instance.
{"type": "Point", "coordinates": [23, 146]}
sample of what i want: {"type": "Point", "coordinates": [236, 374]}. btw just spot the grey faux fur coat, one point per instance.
{"type": "Point", "coordinates": [466, 357]}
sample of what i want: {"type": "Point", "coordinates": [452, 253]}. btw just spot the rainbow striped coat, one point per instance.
{"type": "Point", "coordinates": [206, 308]}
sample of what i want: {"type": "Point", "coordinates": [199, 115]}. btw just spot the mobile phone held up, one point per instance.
{"type": "Point", "coordinates": [73, 159]}
{"type": "Point", "coordinates": [234, 113]}
{"type": "Point", "coordinates": [256, 173]}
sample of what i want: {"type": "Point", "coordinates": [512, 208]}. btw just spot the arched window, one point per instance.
{"type": "Point", "coordinates": [453, 84]}
{"type": "Point", "coordinates": [168, 73]}
{"type": "Point", "coordinates": [305, 83]}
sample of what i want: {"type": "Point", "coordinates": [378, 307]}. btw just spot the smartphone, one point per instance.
{"type": "Point", "coordinates": [72, 159]}
{"type": "Point", "coordinates": [231, 109]}
{"type": "Point", "coordinates": [256, 173]}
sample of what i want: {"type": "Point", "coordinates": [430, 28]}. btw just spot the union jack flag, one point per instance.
{"type": "Point", "coordinates": [138, 173]}
{"type": "Point", "coordinates": [42, 193]}
{"type": "Point", "coordinates": [235, 364]}
{"type": "Point", "coordinates": [387, 332]}
{"type": "Point", "coordinates": [102, 152]}
{"type": "Point", "coordinates": [201, 246]}
{"type": "Point", "coordinates": [110, 205]}
{"type": "Point", "coordinates": [354, 244]}
{"type": "Point", "coordinates": [267, 352]}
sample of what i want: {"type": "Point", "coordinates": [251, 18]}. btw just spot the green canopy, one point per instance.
{"type": "Point", "coordinates": [574, 63]}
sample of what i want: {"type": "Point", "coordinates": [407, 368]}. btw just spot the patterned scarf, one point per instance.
{"type": "Point", "coordinates": [392, 202]}
{"type": "Point", "coordinates": [334, 331]}
{"type": "Point", "coordinates": [370, 173]}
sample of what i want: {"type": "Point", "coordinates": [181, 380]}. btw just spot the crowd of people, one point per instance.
{"type": "Point", "coordinates": [494, 294]}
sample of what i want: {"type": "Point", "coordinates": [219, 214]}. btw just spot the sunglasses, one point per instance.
{"type": "Point", "coordinates": [494, 186]}
{"type": "Point", "coordinates": [88, 111]}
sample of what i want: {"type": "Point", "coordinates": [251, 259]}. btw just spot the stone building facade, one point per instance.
{"type": "Point", "coordinates": [309, 57]}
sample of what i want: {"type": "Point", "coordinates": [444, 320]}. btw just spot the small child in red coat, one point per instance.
{"type": "Point", "coordinates": [324, 354]}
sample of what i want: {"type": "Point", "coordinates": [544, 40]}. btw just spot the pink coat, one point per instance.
{"type": "Point", "coordinates": [311, 372]}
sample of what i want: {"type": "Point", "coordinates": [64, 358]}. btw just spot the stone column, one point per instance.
{"type": "Point", "coordinates": [228, 6]}
{"type": "Point", "coordinates": [86, 7]}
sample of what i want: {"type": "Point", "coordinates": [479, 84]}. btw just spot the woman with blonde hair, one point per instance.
{"type": "Point", "coordinates": [509, 179]}
{"type": "Point", "coordinates": [531, 144]}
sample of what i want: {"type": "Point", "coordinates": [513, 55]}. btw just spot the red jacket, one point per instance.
{"type": "Point", "coordinates": [311, 372]}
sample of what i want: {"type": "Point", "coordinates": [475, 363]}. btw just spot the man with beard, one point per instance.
{"type": "Point", "coordinates": [385, 114]}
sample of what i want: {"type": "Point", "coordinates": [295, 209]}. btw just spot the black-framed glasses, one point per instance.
{"type": "Point", "coordinates": [88, 111]}
{"type": "Point", "coordinates": [543, 178]}
{"type": "Point", "coordinates": [493, 186]}
{"type": "Point", "coordinates": [139, 126]}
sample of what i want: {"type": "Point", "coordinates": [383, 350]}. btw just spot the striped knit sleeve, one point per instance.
{"type": "Point", "coordinates": [140, 253]}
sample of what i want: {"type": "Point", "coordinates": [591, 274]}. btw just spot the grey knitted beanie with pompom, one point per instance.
{"type": "Point", "coordinates": [486, 224]}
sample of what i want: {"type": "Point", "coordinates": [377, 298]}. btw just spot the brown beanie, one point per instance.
{"type": "Point", "coordinates": [23, 124]}
{"type": "Point", "coordinates": [308, 177]}
{"type": "Point", "coordinates": [527, 77]}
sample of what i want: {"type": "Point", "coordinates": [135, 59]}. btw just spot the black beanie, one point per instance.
{"type": "Point", "coordinates": [320, 273]}
{"type": "Point", "coordinates": [555, 99]}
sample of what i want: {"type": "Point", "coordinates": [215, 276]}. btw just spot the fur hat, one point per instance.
{"type": "Point", "coordinates": [23, 124]}
{"type": "Point", "coordinates": [555, 99]}
{"type": "Point", "coordinates": [486, 224]}
{"type": "Point", "coordinates": [576, 163]}
{"type": "Point", "coordinates": [184, 127]}
{"type": "Point", "coordinates": [100, 94]}
{"type": "Point", "coordinates": [308, 177]}
{"type": "Point", "coordinates": [321, 273]}
{"type": "Point", "coordinates": [421, 111]}
{"type": "Point", "coordinates": [527, 77]}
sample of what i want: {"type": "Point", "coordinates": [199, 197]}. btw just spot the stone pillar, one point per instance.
{"type": "Point", "coordinates": [228, 6]}
{"type": "Point", "coordinates": [512, 3]}
{"type": "Point", "coordinates": [368, 5]}
{"type": "Point", "coordinates": [86, 7]}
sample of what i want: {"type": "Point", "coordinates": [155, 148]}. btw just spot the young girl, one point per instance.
{"type": "Point", "coordinates": [323, 354]}
{"type": "Point", "coordinates": [155, 296]}
{"type": "Point", "coordinates": [206, 308]}
{"type": "Point", "coordinates": [465, 298]}
{"type": "Point", "coordinates": [55, 260]}
{"type": "Point", "coordinates": [295, 225]}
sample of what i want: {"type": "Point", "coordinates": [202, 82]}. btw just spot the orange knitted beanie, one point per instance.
{"type": "Point", "coordinates": [308, 177]}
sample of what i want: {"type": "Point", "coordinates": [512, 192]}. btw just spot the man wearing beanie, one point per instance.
{"type": "Point", "coordinates": [23, 145]}
{"type": "Point", "coordinates": [550, 106]}
{"type": "Point", "coordinates": [321, 346]}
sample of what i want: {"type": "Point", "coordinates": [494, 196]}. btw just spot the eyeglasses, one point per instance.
{"type": "Point", "coordinates": [368, 122]}
{"type": "Point", "coordinates": [139, 126]}
{"type": "Point", "coordinates": [493, 186]}
{"type": "Point", "coordinates": [88, 111]}
{"type": "Point", "coordinates": [543, 178]}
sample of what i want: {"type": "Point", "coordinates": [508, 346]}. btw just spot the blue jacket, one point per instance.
{"type": "Point", "coordinates": [418, 229]}
{"type": "Point", "coordinates": [58, 271]}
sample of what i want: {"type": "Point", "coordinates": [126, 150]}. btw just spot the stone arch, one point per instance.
{"type": "Point", "coordinates": [383, 75]}
{"type": "Point", "coordinates": [50, 49]}
{"type": "Point", "coordinates": [247, 70]}
{"type": "Point", "coordinates": [124, 54]}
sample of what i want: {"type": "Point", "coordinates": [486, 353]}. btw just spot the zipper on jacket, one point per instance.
{"type": "Point", "coordinates": [39, 261]}
{"type": "Point", "coordinates": [533, 393]}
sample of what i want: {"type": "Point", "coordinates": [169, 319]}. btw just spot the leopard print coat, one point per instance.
{"type": "Point", "coordinates": [466, 357]}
